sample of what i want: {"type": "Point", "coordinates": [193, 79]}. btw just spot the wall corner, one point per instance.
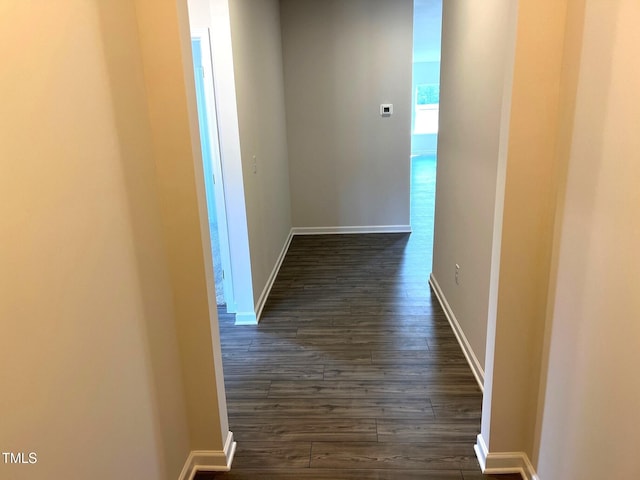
{"type": "Point", "coordinates": [209, 460]}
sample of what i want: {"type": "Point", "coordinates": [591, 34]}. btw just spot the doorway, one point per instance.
{"type": "Point", "coordinates": [212, 166]}
{"type": "Point", "coordinates": [427, 28]}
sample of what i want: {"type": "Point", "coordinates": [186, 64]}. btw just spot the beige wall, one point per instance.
{"type": "Point", "coordinates": [107, 361]}
{"type": "Point", "coordinates": [562, 346]}
{"type": "Point", "coordinates": [472, 84]}
{"type": "Point", "coordinates": [588, 426]}
{"type": "Point", "coordinates": [494, 208]}
{"type": "Point", "coordinates": [168, 71]}
{"type": "Point", "coordinates": [527, 224]}
{"type": "Point", "coordinates": [89, 360]}
{"type": "Point", "coordinates": [257, 63]}
{"type": "Point", "coordinates": [106, 355]}
{"type": "Point", "coordinates": [342, 59]}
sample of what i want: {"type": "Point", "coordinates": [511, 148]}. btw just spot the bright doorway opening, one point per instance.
{"type": "Point", "coordinates": [427, 31]}
{"type": "Point", "coordinates": [212, 166]}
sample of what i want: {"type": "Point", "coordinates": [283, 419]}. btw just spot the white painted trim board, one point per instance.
{"type": "Point", "coordinates": [351, 229]}
{"type": "Point", "coordinates": [469, 354]}
{"type": "Point", "coordinates": [209, 460]}
{"type": "Point", "coordinates": [272, 277]}
{"type": "Point", "coordinates": [495, 463]}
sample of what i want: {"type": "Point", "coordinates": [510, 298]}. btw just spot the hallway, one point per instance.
{"type": "Point", "coordinates": [353, 372]}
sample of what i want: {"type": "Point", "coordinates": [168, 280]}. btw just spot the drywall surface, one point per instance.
{"type": "Point", "coordinates": [588, 426]}
{"type": "Point", "coordinates": [89, 362]}
{"type": "Point", "coordinates": [348, 165]}
{"type": "Point", "coordinates": [515, 344]}
{"type": "Point", "coordinates": [257, 63]}
{"type": "Point", "coordinates": [475, 39]}
{"type": "Point", "coordinates": [169, 84]}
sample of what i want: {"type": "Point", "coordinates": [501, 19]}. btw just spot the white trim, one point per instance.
{"type": "Point", "coordinates": [469, 354]}
{"type": "Point", "coordinates": [272, 277]}
{"type": "Point", "coordinates": [353, 229]}
{"type": "Point", "coordinates": [504, 462]}
{"type": "Point", "coordinates": [230, 152]}
{"type": "Point", "coordinates": [214, 186]}
{"type": "Point", "coordinates": [209, 460]}
{"type": "Point", "coordinates": [246, 318]}
{"type": "Point", "coordinates": [481, 452]}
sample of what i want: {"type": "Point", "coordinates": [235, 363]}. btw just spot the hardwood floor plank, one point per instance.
{"type": "Point", "coordinates": [411, 344]}
{"type": "Point", "coordinates": [334, 357]}
{"type": "Point", "coordinates": [457, 406]}
{"type": "Point", "coordinates": [242, 388]}
{"type": "Point", "coordinates": [425, 330]}
{"type": "Point", "coordinates": [350, 389]}
{"type": "Point", "coordinates": [433, 319]}
{"type": "Point", "coordinates": [476, 475]}
{"type": "Point", "coordinates": [450, 374]}
{"type": "Point", "coordinates": [332, 474]}
{"type": "Point", "coordinates": [303, 429]}
{"type": "Point", "coordinates": [416, 357]}
{"type": "Point", "coordinates": [333, 407]}
{"type": "Point", "coordinates": [382, 455]}
{"type": "Point", "coordinates": [406, 342]}
{"type": "Point", "coordinates": [427, 431]}
{"type": "Point", "coordinates": [270, 372]}
{"type": "Point", "coordinates": [265, 455]}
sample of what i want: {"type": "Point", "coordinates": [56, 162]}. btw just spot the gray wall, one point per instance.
{"type": "Point", "coordinates": [257, 57]}
{"type": "Point", "coordinates": [468, 145]}
{"type": "Point", "coordinates": [348, 165]}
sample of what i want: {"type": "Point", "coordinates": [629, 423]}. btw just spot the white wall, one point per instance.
{"type": "Point", "coordinates": [588, 424]}
{"type": "Point", "coordinates": [214, 16]}
{"type": "Point", "coordinates": [348, 165]}
{"type": "Point", "coordinates": [247, 62]}
{"type": "Point", "coordinates": [475, 55]}
{"type": "Point", "coordinates": [257, 63]}
{"type": "Point", "coordinates": [89, 361]}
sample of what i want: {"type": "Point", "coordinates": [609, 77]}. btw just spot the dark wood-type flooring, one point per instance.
{"type": "Point", "coordinates": [354, 372]}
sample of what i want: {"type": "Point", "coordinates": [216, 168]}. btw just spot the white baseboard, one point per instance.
{"type": "Point", "coordinates": [272, 277]}
{"type": "Point", "coordinates": [504, 462]}
{"type": "Point", "coordinates": [469, 354]}
{"type": "Point", "coordinates": [354, 229]}
{"type": "Point", "coordinates": [209, 460]}
{"type": "Point", "coordinates": [481, 452]}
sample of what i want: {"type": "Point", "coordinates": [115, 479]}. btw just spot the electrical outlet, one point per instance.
{"type": "Point", "coordinates": [457, 274]}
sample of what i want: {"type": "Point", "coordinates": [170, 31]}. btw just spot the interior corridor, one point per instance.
{"type": "Point", "coordinates": [354, 371]}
